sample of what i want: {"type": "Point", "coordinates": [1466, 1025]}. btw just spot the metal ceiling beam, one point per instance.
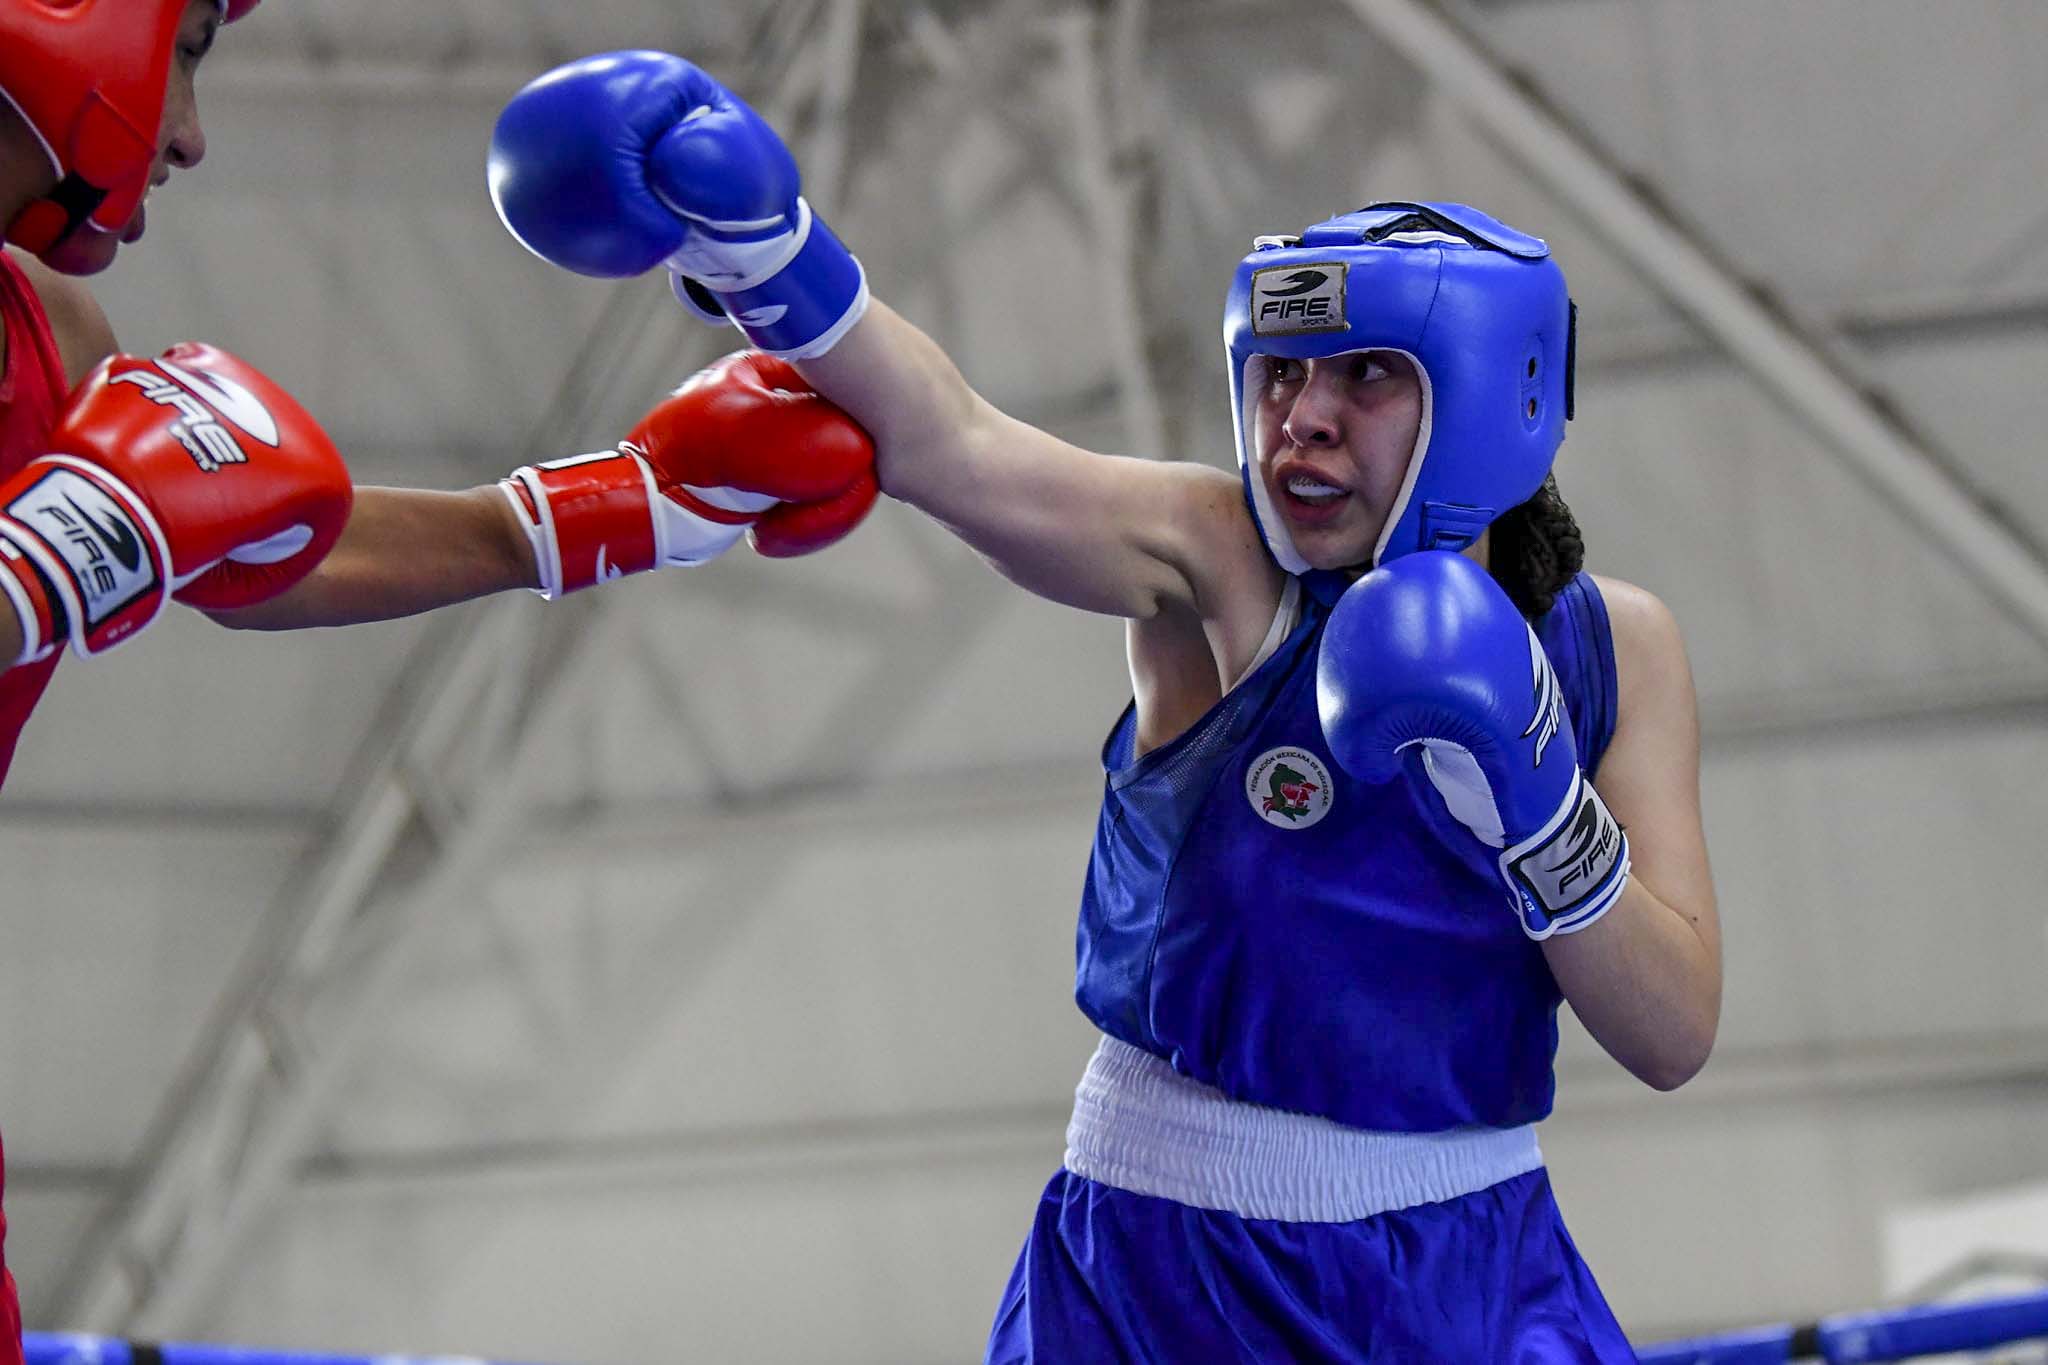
{"type": "Point", "coordinates": [1808, 372]}
{"type": "Point", "coordinates": [238, 1112]}
{"type": "Point", "coordinates": [299, 1040]}
{"type": "Point", "coordinates": [1867, 715]}
{"type": "Point", "coordinates": [158, 818]}
{"type": "Point", "coordinates": [1646, 348]}
{"type": "Point", "coordinates": [1830, 1073]}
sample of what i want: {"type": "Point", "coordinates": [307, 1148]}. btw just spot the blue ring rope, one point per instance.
{"type": "Point", "coordinates": [65, 1348]}
{"type": "Point", "coordinates": [1892, 1334]}
{"type": "Point", "coordinates": [1846, 1339]}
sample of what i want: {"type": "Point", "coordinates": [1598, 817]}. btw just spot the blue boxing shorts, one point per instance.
{"type": "Point", "coordinates": [1205, 1230]}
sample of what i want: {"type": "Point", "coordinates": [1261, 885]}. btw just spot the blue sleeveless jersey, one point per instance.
{"type": "Point", "coordinates": [1306, 940]}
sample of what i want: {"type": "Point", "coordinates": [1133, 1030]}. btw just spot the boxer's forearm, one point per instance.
{"type": "Point", "coordinates": [1645, 984]}
{"type": "Point", "coordinates": [404, 551]}
{"type": "Point", "coordinates": [1123, 536]}
{"type": "Point", "coordinates": [906, 392]}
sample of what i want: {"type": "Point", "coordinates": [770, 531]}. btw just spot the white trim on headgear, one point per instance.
{"type": "Point", "coordinates": [1278, 542]}
{"type": "Point", "coordinates": [1415, 459]}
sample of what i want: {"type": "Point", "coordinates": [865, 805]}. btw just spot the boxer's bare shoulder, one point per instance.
{"type": "Point", "coordinates": [84, 335]}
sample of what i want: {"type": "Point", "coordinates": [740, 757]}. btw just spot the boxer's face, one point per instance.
{"type": "Point", "coordinates": [1334, 437]}
{"type": "Point", "coordinates": [180, 143]}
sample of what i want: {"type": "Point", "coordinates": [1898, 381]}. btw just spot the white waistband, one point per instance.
{"type": "Point", "coordinates": [1141, 1126]}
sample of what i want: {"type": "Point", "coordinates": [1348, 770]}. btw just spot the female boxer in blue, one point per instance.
{"type": "Point", "coordinates": [1363, 824]}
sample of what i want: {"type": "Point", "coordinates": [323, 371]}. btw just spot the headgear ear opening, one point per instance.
{"type": "Point", "coordinates": [1571, 362]}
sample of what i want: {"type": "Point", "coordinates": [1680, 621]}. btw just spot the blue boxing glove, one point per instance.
{"type": "Point", "coordinates": [621, 162]}
{"type": "Point", "coordinates": [1427, 667]}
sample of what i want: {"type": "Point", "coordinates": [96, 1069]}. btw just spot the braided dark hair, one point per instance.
{"type": "Point", "coordinates": [1536, 549]}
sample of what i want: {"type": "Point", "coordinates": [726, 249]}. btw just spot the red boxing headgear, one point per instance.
{"type": "Point", "coordinates": [89, 77]}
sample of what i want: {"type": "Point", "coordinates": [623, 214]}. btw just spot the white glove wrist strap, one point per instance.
{"type": "Point", "coordinates": [17, 583]}
{"type": "Point", "coordinates": [533, 521]}
{"type": "Point", "coordinates": [107, 554]}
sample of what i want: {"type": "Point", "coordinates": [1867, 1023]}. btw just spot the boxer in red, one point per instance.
{"type": "Point", "coordinates": [127, 483]}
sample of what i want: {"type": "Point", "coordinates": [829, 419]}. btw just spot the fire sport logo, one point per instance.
{"type": "Point", "coordinates": [94, 537]}
{"type": "Point", "coordinates": [196, 396]}
{"type": "Point", "coordinates": [1288, 299]}
{"type": "Point", "coordinates": [1576, 860]}
{"type": "Point", "coordinates": [1288, 788]}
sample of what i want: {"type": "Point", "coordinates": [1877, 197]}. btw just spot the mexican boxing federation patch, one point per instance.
{"type": "Point", "coordinates": [1289, 788]}
{"type": "Point", "coordinates": [1291, 299]}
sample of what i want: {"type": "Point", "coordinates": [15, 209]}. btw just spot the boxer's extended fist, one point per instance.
{"type": "Point", "coordinates": [621, 162]}
{"type": "Point", "coordinates": [743, 447]}
{"type": "Point", "coordinates": [190, 473]}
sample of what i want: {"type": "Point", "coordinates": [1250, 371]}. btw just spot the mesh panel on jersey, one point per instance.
{"type": "Point", "coordinates": [1191, 769]}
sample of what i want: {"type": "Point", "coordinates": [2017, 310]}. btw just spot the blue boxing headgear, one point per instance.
{"type": "Point", "coordinates": [1479, 308]}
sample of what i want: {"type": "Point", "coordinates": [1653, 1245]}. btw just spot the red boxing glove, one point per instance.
{"type": "Point", "coordinates": [743, 447]}
{"type": "Point", "coordinates": [192, 474]}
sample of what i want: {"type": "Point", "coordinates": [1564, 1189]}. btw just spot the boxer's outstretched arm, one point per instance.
{"type": "Point", "coordinates": [374, 573]}
{"type": "Point", "coordinates": [742, 448]}
{"type": "Point", "coordinates": [1115, 534]}
{"type": "Point", "coordinates": [404, 551]}
{"type": "Point", "coordinates": [624, 162]}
